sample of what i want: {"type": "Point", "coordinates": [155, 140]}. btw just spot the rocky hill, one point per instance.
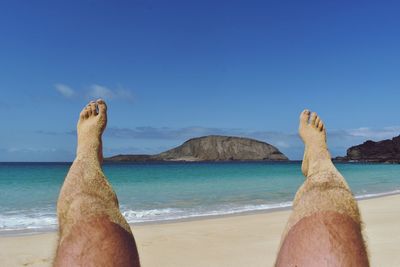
{"type": "Point", "coordinates": [212, 148]}
{"type": "Point", "coordinates": [370, 151]}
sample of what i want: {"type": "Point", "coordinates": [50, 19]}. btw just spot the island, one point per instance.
{"type": "Point", "coordinates": [386, 151]}
{"type": "Point", "coordinates": [211, 148]}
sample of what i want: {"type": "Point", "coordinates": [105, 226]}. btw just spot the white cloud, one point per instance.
{"type": "Point", "coordinates": [384, 133]}
{"type": "Point", "coordinates": [99, 91]}
{"type": "Point", "coordinates": [65, 90]}
{"type": "Point", "coordinates": [95, 91]}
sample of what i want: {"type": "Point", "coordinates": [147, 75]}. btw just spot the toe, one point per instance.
{"type": "Point", "coordinates": [320, 125]}
{"type": "Point", "coordinates": [305, 116]}
{"type": "Point", "coordinates": [313, 118]}
{"type": "Point", "coordinates": [85, 113]}
{"type": "Point", "coordinates": [82, 115]}
{"type": "Point", "coordinates": [101, 106]}
{"type": "Point", "coordinates": [88, 110]}
{"type": "Point", "coordinates": [317, 120]}
{"type": "Point", "coordinates": [93, 108]}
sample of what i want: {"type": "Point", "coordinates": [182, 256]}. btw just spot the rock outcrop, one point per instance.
{"type": "Point", "coordinates": [130, 158]}
{"type": "Point", "coordinates": [383, 151]}
{"type": "Point", "coordinates": [213, 148]}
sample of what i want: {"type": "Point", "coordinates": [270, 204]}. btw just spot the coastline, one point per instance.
{"type": "Point", "coordinates": [250, 239]}
{"type": "Point", "coordinates": [285, 206]}
{"type": "Point", "coordinates": [252, 212]}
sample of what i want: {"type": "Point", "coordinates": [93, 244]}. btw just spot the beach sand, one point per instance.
{"type": "Point", "coordinates": [243, 240]}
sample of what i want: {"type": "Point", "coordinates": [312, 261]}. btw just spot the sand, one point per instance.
{"type": "Point", "coordinates": [245, 240]}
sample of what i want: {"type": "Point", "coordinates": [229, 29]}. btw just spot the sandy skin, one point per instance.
{"type": "Point", "coordinates": [324, 228]}
{"type": "Point", "coordinates": [92, 230]}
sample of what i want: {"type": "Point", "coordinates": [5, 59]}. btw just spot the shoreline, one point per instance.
{"type": "Point", "coordinates": [28, 232]}
{"type": "Point", "coordinates": [238, 240]}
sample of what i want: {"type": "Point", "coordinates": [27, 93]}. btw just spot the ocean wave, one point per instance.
{"type": "Point", "coordinates": [372, 195]}
{"type": "Point", "coordinates": [12, 222]}
{"type": "Point", "coordinates": [166, 214]}
{"type": "Point", "coordinates": [154, 215]}
{"type": "Point", "coordinates": [138, 215]}
{"type": "Point", "coordinates": [40, 219]}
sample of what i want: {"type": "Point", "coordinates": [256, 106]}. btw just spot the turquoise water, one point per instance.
{"type": "Point", "coordinates": [157, 192]}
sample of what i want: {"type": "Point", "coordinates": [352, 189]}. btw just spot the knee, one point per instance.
{"type": "Point", "coordinates": [97, 242]}
{"type": "Point", "coordinates": [324, 239]}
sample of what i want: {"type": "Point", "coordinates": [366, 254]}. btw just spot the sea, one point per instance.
{"type": "Point", "coordinates": [160, 192]}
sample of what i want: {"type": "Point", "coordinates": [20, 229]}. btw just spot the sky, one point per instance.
{"type": "Point", "coordinates": [173, 70]}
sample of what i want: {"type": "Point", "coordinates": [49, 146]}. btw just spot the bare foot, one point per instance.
{"type": "Point", "coordinates": [312, 132]}
{"type": "Point", "coordinates": [91, 124]}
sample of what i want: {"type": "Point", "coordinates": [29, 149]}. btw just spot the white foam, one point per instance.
{"type": "Point", "coordinates": [9, 222]}
{"type": "Point", "coordinates": [371, 195]}
{"type": "Point", "coordinates": [137, 215]}
{"type": "Point", "coordinates": [166, 214]}
{"type": "Point", "coordinates": [36, 220]}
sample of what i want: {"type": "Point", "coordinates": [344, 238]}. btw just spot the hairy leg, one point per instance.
{"type": "Point", "coordinates": [92, 230]}
{"type": "Point", "coordinates": [324, 228]}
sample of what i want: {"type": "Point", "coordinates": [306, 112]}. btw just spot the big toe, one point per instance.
{"type": "Point", "coordinates": [101, 106]}
{"type": "Point", "coordinates": [304, 117]}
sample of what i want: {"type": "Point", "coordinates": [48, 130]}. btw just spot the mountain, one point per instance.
{"type": "Point", "coordinates": [212, 148]}
{"type": "Point", "coordinates": [370, 151]}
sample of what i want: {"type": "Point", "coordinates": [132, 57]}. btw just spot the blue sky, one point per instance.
{"type": "Point", "coordinates": [171, 70]}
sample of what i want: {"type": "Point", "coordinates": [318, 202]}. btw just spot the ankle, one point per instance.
{"type": "Point", "coordinates": [319, 165]}
{"type": "Point", "coordinates": [91, 151]}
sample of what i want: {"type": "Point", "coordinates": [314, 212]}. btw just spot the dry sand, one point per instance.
{"type": "Point", "coordinates": [245, 240]}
